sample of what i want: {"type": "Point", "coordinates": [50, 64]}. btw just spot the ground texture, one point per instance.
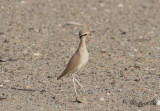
{"type": "Point", "coordinates": [38, 37]}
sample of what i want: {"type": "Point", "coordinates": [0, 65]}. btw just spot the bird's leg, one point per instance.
{"type": "Point", "coordinates": [79, 84]}
{"type": "Point", "coordinates": [74, 84]}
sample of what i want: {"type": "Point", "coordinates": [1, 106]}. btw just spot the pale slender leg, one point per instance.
{"type": "Point", "coordinates": [74, 84]}
{"type": "Point", "coordinates": [79, 83]}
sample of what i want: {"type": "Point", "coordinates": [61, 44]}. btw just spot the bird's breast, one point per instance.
{"type": "Point", "coordinates": [84, 59]}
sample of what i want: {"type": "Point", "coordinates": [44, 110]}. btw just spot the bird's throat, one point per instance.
{"type": "Point", "coordinates": [82, 45]}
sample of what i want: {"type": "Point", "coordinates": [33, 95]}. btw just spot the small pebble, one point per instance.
{"type": "Point", "coordinates": [2, 7]}
{"type": "Point", "coordinates": [101, 99]}
{"type": "Point", "coordinates": [1, 85]}
{"type": "Point", "coordinates": [158, 103]}
{"type": "Point", "coordinates": [37, 30]}
{"type": "Point", "coordinates": [158, 48]}
{"type": "Point", "coordinates": [108, 93]}
{"type": "Point", "coordinates": [36, 54]}
{"type": "Point", "coordinates": [135, 50]}
{"type": "Point", "coordinates": [103, 51]}
{"type": "Point", "coordinates": [22, 1]}
{"type": "Point", "coordinates": [120, 5]}
{"type": "Point", "coordinates": [94, 8]}
{"type": "Point", "coordinates": [102, 4]}
{"type": "Point", "coordinates": [82, 99]}
{"type": "Point", "coordinates": [7, 80]}
{"type": "Point", "coordinates": [25, 51]}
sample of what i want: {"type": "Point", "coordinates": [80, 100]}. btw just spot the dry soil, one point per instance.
{"type": "Point", "coordinates": [38, 37]}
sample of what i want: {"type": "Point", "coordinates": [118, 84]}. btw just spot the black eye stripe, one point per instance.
{"type": "Point", "coordinates": [82, 35]}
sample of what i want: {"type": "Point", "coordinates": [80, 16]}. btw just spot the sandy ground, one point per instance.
{"type": "Point", "coordinates": [38, 37]}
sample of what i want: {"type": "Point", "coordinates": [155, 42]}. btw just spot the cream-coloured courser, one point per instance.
{"type": "Point", "coordinates": [79, 59]}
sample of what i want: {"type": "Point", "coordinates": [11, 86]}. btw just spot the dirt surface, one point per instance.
{"type": "Point", "coordinates": [38, 37]}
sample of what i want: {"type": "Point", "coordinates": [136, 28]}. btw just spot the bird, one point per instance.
{"type": "Point", "coordinates": [78, 60]}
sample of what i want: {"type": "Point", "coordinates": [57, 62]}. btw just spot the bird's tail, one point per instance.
{"type": "Point", "coordinates": [60, 76]}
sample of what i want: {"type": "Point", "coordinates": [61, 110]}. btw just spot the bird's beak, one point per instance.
{"type": "Point", "coordinates": [91, 33]}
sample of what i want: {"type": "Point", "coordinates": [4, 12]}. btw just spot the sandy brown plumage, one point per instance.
{"type": "Point", "coordinates": [80, 58]}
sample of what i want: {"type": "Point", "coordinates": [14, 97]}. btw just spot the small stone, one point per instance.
{"type": "Point", "coordinates": [1, 85]}
{"type": "Point", "coordinates": [2, 7]}
{"type": "Point", "coordinates": [37, 30]}
{"type": "Point", "coordinates": [22, 1]}
{"type": "Point", "coordinates": [101, 99]}
{"type": "Point", "coordinates": [82, 99]}
{"type": "Point", "coordinates": [29, 87]}
{"type": "Point", "coordinates": [36, 54]}
{"type": "Point", "coordinates": [102, 4]}
{"type": "Point", "coordinates": [135, 50]}
{"type": "Point", "coordinates": [25, 51]}
{"type": "Point", "coordinates": [123, 32]}
{"type": "Point", "coordinates": [158, 103]}
{"type": "Point", "coordinates": [103, 50]}
{"type": "Point", "coordinates": [120, 5]}
{"type": "Point", "coordinates": [158, 48]}
{"type": "Point", "coordinates": [94, 8]}
{"type": "Point", "coordinates": [6, 81]}
{"type": "Point", "coordinates": [108, 93]}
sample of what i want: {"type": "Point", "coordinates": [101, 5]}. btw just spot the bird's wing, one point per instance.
{"type": "Point", "coordinates": [72, 65]}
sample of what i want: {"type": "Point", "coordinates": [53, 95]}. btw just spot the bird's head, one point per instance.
{"type": "Point", "coordinates": [84, 33]}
